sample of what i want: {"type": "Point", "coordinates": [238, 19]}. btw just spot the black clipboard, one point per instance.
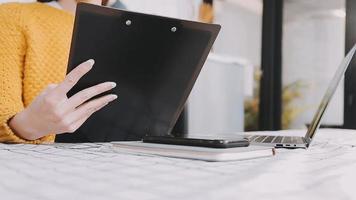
{"type": "Point", "coordinates": [154, 60]}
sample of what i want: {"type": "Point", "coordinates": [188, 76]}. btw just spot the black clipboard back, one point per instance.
{"type": "Point", "coordinates": [154, 60]}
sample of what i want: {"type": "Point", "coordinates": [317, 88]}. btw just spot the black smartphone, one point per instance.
{"type": "Point", "coordinates": [224, 141]}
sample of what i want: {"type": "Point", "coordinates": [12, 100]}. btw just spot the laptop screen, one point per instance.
{"type": "Point", "coordinates": [339, 74]}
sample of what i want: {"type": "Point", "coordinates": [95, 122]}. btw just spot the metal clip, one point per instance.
{"type": "Point", "coordinates": [174, 29]}
{"type": "Point", "coordinates": [128, 22]}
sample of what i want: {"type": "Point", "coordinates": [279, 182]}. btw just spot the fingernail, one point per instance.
{"type": "Point", "coordinates": [113, 84]}
{"type": "Point", "coordinates": [91, 62]}
{"type": "Point", "coordinates": [113, 97]}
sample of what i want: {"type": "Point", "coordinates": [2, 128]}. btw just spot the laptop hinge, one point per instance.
{"type": "Point", "coordinates": [307, 140]}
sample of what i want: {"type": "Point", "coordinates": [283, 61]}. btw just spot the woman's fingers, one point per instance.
{"type": "Point", "coordinates": [73, 77]}
{"type": "Point", "coordinates": [77, 124]}
{"type": "Point", "coordinates": [84, 111]}
{"type": "Point", "coordinates": [86, 94]}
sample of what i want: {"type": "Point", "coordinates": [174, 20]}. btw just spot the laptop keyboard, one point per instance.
{"type": "Point", "coordinates": [278, 139]}
{"type": "Point", "coordinates": [275, 139]}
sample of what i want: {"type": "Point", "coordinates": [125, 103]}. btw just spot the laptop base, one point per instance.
{"type": "Point", "coordinates": [290, 142]}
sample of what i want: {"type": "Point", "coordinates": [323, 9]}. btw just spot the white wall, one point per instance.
{"type": "Point", "coordinates": [313, 47]}
{"type": "Point", "coordinates": [241, 31]}
{"type": "Point", "coordinates": [184, 9]}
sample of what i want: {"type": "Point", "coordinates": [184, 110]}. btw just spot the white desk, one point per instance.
{"type": "Point", "coordinates": [95, 171]}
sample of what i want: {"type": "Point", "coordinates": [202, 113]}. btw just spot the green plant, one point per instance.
{"type": "Point", "coordinates": [290, 111]}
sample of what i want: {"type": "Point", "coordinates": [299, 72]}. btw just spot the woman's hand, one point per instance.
{"type": "Point", "coordinates": [53, 112]}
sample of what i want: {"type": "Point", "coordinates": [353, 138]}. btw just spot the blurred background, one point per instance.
{"type": "Point", "coordinates": [270, 65]}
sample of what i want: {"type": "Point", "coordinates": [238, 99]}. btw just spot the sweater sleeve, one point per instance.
{"type": "Point", "coordinates": [12, 55]}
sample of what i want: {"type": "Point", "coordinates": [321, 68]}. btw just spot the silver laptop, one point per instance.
{"type": "Point", "coordinates": [304, 142]}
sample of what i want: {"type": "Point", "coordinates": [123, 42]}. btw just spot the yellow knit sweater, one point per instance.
{"type": "Point", "coordinates": [34, 47]}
